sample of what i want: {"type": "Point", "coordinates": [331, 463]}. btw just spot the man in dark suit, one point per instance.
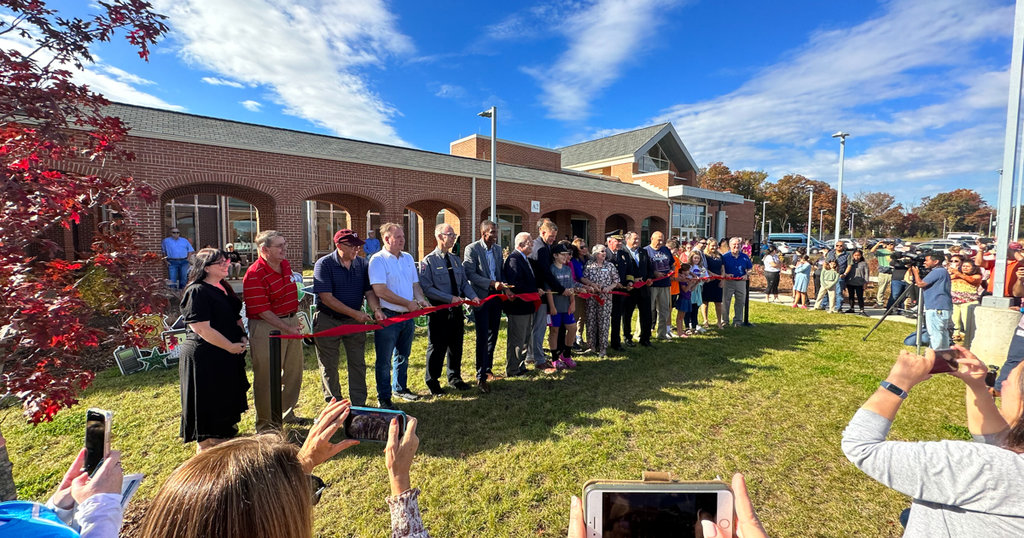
{"type": "Point", "coordinates": [638, 268]}
{"type": "Point", "coordinates": [482, 263]}
{"type": "Point", "coordinates": [520, 277]}
{"type": "Point", "coordinates": [444, 281]}
{"type": "Point", "coordinates": [617, 257]}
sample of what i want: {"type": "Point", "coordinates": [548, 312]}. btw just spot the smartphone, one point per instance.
{"type": "Point", "coordinates": [372, 424]}
{"type": "Point", "coordinates": [632, 509]}
{"type": "Point", "coordinates": [97, 438]}
{"type": "Point", "coordinates": [945, 361]}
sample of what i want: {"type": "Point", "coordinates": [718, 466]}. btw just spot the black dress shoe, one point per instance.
{"type": "Point", "coordinates": [646, 344]}
{"type": "Point", "coordinates": [407, 395]}
{"type": "Point", "coordinates": [386, 404]}
{"type": "Point", "coordinates": [435, 389]}
{"type": "Point", "coordinates": [461, 385]}
{"type": "Point", "coordinates": [629, 343]}
{"type": "Point", "coordinates": [484, 386]}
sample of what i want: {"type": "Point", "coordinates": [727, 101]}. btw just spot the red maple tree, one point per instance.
{"type": "Point", "coordinates": [54, 132]}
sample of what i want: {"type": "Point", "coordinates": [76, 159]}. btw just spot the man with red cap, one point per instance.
{"type": "Point", "coordinates": [341, 281]}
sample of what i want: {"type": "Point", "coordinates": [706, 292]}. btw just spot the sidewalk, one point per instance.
{"type": "Point", "coordinates": [874, 313]}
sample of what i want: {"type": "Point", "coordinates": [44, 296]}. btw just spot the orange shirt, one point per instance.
{"type": "Point", "coordinates": [675, 274]}
{"type": "Point", "coordinates": [1011, 275]}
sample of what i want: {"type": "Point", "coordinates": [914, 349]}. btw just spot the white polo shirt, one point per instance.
{"type": "Point", "coordinates": [397, 273]}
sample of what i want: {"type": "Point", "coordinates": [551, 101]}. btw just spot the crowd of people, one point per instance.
{"type": "Point", "coordinates": [561, 294]}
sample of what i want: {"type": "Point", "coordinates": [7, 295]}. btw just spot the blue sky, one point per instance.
{"type": "Point", "coordinates": [920, 85]}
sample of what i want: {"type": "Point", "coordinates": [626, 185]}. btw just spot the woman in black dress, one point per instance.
{"type": "Point", "coordinates": [212, 361]}
{"type": "Point", "coordinates": [712, 291]}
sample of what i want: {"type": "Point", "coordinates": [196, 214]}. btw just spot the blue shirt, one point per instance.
{"type": "Point", "coordinates": [662, 261]}
{"type": "Point", "coordinates": [736, 265]}
{"type": "Point", "coordinates": [372, 246]}
{"type": "Point", "coordinates": [937, 295]}
{"type": "Point", "coordinates": [177, 248]}
{"type": "Point", "coordinates": [348, 285]}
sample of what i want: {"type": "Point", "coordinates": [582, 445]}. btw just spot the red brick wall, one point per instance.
{"type": "Point", "coordinates": [740, 221]}
{"type": "Point", "coordinates": [479, 147]}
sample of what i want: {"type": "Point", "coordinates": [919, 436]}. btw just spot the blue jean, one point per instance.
{"type": "Point", "coordinates": [177, 272]}
{"type": "Point", "coordinates": [937, 324]}
{"type": "Point", "coordinates": [393, 344]}
{"type": "Point", "coordinates": [840, 286]}
{"type": "Point", "coordinates": [898, 287]}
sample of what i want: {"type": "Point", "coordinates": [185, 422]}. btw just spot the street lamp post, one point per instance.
{"type": "Point", "coordinates": [810, 215]}
{"type": "Point", "coordinates": [821, 223]}
{"type": "Point", "coordinates": [493, 114]}
{"type": "Point", "coordinates": [764, 207]}
{"type": "Point", "coordinates": [839, 190]}
{"type": "Point", "coordinates": [991, 215]}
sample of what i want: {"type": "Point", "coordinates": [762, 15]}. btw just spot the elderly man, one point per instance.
{"type": "Point", "coordinates": [341, 280]}
{"type": "Point", "coordinates": [617, 257]}
{"type": "Point", "coordinates": [520, 278]}
{"type": "Point", "coordinates": [372, 244]}
{"type": "Point", "coordinates": [638, 269]}
{"type": "Point", "coordinates": [736, 264]}
{"type": "Point", "coordinates": [176, 252]}
{"type": "Point", "coordinates": [540, 257]}
{"type": "Point", "coordinates": [483, 262]}
{"type": "Point", "coordinates": [271, 303]}
{"type": "Point", "coordinates": [444, 281]}
{"type": "Point", "coordinates": [843, 267]}
{"type": "Point", "coordinates": [662, 264]}
{"type": "Point", "coordinates": [395, 280]}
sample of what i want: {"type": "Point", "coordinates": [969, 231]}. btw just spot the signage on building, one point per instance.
{"type": "Point", "coordinates": [535, 206]}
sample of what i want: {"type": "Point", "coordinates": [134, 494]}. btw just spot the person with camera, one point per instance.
{"type": "Point", "coordinates": [1014, 285]}
{"type": "Point", "coordinates": [938, 299]}
{"type": "Point", "coordinates": [959, 488]}
{"type": "Point", "coordinates": [883, 252]}
{"type": "Point", "coordinates": [262, 485]}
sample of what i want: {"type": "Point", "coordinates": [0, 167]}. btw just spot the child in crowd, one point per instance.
{"type": "Point", "coordinates": [562, 308]}
{"type": "Point", "coordinates": [684, 302]}
{"type": "Point", "coordinates": [801, 278]}
{"type": "Point", "coordinates": [965, 279]}
{"type": "Point", "coordinates": [829, 278]}
{"type": "Point", "coordinates": [698, 273]}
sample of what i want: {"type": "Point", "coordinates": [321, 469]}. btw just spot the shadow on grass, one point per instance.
{"type": "Point", "coordinates": [536, 408]}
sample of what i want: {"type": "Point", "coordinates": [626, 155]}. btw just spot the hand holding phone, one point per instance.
{"type": "Point", "coordinates": [372, 424]}
{"type": "Point", "coordinates": [946, 361]}
{"type": "Point", "coordinates": [633, 508]}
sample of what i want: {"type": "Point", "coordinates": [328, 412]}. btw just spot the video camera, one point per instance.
{"type": "Point", "coordinates": [906, 260]}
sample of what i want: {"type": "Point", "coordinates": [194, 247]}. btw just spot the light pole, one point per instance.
{"type": "Point", "coordinates": [764, 207]}
{"type": "Point", "coordinates": [990, 217]}
{"type": "Point", "coordinates": [493, 114]}
{"type": "Point", "coordinates": [810, 215]}
{"type": "Point", "coordinates": [839, 190]}
{"type": "Point", "coordinates": [821, 222]}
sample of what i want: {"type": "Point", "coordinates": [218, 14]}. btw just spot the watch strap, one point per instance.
{"type": "Point", "coordinates": [894, 389]}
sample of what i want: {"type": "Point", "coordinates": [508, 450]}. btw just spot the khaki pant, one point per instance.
{"type": "Point", "coordinates": [831, 293]}
{"type": "Point", "coordinates": [327, 354]}
{"type": "Point", "coordinates": [884, 286]}
{"type": "Point", "coordinates": [291, 366]}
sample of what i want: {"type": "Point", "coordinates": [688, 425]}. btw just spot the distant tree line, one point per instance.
{"type": "Point", "coordinates": [874, 214]}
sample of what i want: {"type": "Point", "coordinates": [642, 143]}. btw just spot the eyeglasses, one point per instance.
{"type": "Point", "coordinates": [449, 234]}
{"type": "Point", "coordinates": [216, 261]}
{"type": "Point", "coordinates": [175, 232]}
{"type": "Point", "coordinates": [317, 487]}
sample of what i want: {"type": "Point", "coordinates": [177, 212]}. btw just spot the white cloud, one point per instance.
{"type": "Point", "coordinates": [603, 36]}
{"type": "Point", "coordinates": [922, 106]}
{"type": "Point", "coordinates": [251, 106]}
{"type": "Point", "coordinates": [214, 81]}
{"type": "Point", "coordinates": [308, 54]}
{"type": "Point", "coordinates": [450, 91]}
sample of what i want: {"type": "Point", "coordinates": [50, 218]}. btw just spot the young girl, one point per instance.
{"type": "Point", "coordinates": [857, 280]}
{"type": "Point", "coordinates": [683, 304]}
{"type": "Point", "coordinates": [697, 272]}
{"type": "Point", "coordinates": [801, 277]}
{"type": "Point", "coordinates": [829, 278]}
{"type": "Point", "coordinates": [964, 287]}
{"type": "Point", "coordinates": [562, 308]}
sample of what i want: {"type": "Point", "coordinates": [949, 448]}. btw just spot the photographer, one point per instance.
{"type": "Point", "coordinates": [900, 264]}
{"type": "Point", "coordinates": [937, 297]}
{"type": "Point", "coordinates": [959, 488]}
{"type": "Point", "coordinates": [883, 251]}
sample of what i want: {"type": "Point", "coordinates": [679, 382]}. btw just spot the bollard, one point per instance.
{"type": "Point", "coordinates": [275, 378]}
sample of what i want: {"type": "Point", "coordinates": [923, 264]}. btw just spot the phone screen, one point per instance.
{"type": "Point", "coordinates": [95, 440]}
{"type": "Point", "coordinates": [370, 424]}
{"type": "Point", "coordinates": [626, 515]}
{"type": "Point", "coordinates": [945, 361]}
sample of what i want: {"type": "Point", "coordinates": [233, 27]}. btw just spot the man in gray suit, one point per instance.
{"type": "Point", "coordinates": [482, 261]}
{"type": "Point", "coordinates": [444, 282]}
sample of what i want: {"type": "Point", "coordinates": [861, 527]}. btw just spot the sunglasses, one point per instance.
{"type": "Point", "coordinates": [217, 260]}
{"type": "Point", "coordinates": [317, 487]}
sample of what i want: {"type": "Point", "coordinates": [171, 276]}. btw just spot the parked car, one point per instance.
{"type": "Point", "coordinates": [789, 242]}
{"type": "Point", "coordinates": [963, 236]}
{"type": "Point", "coordinates": [943, 245]}
{"type": "Point", "coordinates": [850, 243]}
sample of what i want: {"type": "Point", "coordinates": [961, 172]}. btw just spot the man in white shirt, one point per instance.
{"type": "Point", "coordinates": [395, 281]}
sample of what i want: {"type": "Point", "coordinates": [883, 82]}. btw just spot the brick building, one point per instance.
{"type": "Point", "coordinates": [222, 181]}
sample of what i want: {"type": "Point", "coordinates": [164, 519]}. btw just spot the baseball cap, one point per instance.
{"type": "Point", "coordinates": [349, 237]}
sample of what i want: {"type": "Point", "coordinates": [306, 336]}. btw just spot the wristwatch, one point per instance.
{"type": "Point", "coordinates": [894, 389]}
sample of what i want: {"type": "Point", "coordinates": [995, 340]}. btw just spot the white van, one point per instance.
{"type": "Point", "coordinates": [963, 236]}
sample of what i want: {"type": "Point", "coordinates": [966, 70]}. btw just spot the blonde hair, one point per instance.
{"type": "Point", "coordinates": [249, 486]}
{"type": "Point", "coordinates": [387, 228]}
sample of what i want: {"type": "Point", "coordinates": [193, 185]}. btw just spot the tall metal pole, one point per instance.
{"type": "Point", "coordinates": [810, 215]}
{"type": "Point", "coordinates": [1011, 162]}
{"type": "Point", "coordinates": [821, 223]}
{"type": "Point", "coordinates": [493, 114]}
{"type": "Point", "coordinates": [764, 206]}
{"type": "Point", "coordinates": [991, 216]}
{"type": "Point", "coordinates": [839, 189]}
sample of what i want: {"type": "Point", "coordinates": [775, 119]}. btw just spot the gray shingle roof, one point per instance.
{"type": "Point", "coordinates": [610, 146]}
{"type": "Point", "coordinates": [177, 126]}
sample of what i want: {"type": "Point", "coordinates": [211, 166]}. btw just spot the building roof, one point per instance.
{"type": "Point", "coordinates": [181, 127]}
{"type": "Point", "coordinates": [618, 145]}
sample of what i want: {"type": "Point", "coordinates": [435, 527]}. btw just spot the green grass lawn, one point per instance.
{"type": "Point", "coordinates": [770, 401]}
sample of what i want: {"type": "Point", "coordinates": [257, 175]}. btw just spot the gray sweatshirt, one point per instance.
{"type": "Point", "coordinates": [958, 488]}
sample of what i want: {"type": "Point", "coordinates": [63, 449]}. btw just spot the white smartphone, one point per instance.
{"type": "Point", "coordinates": [97, 438]}
{"type": "Point", "coordinates": [624, 509]}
